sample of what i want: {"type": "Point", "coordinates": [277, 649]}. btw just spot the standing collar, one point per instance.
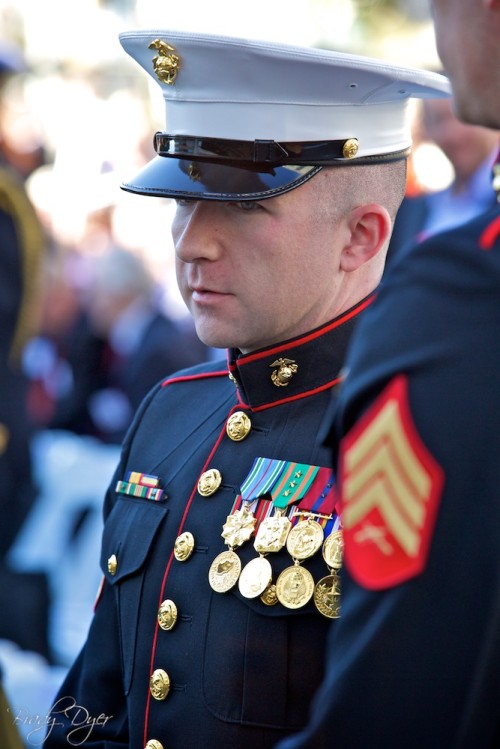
{"type": "Point", "coordinates": [296, 368]}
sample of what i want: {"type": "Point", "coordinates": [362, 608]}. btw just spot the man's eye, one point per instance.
{"type": "Point", "coordinates": [246, 205]}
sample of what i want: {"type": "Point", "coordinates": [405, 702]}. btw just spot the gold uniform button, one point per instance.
{"type": "Point", "coordinates": [209, 482]}
{"type": "Point", "coordinates": [184, 546]}
{"type": "Point", "coordinates": [112, 564]}
{"type": "Point", "coordinates": [159, 684]}
{"type": "Point", "coordinates": [350, 148]}
{"type": "Point", "coordinates": [154, 744]}
{"type": "Point", "coordinates": [167, 615]}
{"type": "Point", "coordinates": [238, 426]}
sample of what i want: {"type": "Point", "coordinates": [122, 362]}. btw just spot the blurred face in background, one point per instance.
{"type": "Point", "coordinates": [468, 43]}
{"type": "Point", "coordinates": [466, 146]}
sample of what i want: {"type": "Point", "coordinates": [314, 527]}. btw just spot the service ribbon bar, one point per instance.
{"type": "Point", "coordinates": [320, 501]}
{"type": "Point", "coordinates": [144, 479]}
{"type": "Point", "coordinates": [294, 483]}
{"type": "Point", "coordinates": [140, 485]}
{"type": "Point", "coordinates": [262, 477]}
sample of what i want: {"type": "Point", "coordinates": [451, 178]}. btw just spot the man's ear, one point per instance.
{"type": "Point", "coordinates": [370, 228]}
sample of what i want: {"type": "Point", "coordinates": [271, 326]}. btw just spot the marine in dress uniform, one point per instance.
{"type": "Point", "coordinates": [222, 545]}
{"type": "Point", "coordinates": [418, 644]}
{"type": "Point", "coordinates": [21, 253]}
{"type": "Point", "coordinates": [23, 597]}
{"type": "Point", "coordinates": [22, 249]}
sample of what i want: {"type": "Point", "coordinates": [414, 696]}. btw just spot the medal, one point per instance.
{"type": "Point", "coordinates": [238, 527]}
{"type": "Point", "coordinates": [226, 567]}
{"type": "Point", "coordinates": [224, 571]}
{"type": "Point", "coordinates": [281, 485]}
{"type": "Point", "coordinates": [255, 578]}
{"type": "Point", "coordinates": [294, 587]}
{"type": "Point", "coordinates": [257, 574]}
{"type": "Point", "coordinates": [269, 596]}
{"type": "Point", "coordinates": [272, 534]}
{"type": "Point", "coordinates": [327, 596]}
{"type": "Point", "coordinates": [333, 550]}
{"type": "Point", "coordinates": [327, 590]}
{"type": "Point", "coordinates": [305, 539]}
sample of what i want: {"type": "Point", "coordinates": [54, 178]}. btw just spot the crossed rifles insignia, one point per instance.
{"type": "Point", "coordinates": [390, 491]}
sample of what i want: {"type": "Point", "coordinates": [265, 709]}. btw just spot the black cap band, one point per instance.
{"type": "Point", "coordinates": [267, 152]}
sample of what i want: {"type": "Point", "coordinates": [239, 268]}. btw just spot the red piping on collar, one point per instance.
{"type": "Point", "coordinates": [306, 394]}
{"type": "Point", "coordinates": [310, 337]}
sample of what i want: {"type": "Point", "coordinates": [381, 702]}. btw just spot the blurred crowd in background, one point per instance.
{"type": "Point", "coordinates": [91, 317]}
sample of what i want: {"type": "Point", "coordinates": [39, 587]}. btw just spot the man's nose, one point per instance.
{"type": "Point", "coordinates": [195, 232]}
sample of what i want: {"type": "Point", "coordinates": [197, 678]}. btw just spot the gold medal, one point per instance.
{"type": "Point", "coordinates": [238, 527]}
{"type": "Point", "coordinates": [269, 596]}
{"type": "Point", "coordinates": [305, 539]}
{"type": "Point", "coordinates": [327, 596]}
{"type": "Point", "coordinates": [333, 550]}
{"type": "Point", "coordinates": [226, 567]}
{"type": "Point", "coordinates": [224, 571]}
{"type": "Point", "coordinates": [255, 577]}
{"type": "Point", "coordinates": [272, 534]}
{"type": "Point", "coordinates": [294, 587]}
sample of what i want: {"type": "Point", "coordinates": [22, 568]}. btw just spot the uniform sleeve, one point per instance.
{"type": "Point", "coordinates": [415, 659]}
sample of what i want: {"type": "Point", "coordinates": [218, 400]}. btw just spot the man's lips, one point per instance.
{"type": "Point", "coordinates": [204, 294]}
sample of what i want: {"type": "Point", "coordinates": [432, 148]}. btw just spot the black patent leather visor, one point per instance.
{"type": "Point", "coordinates": [173, 177]}
{"type": "Point", "coordinates": [221, 169]}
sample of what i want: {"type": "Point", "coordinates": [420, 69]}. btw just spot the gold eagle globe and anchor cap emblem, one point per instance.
{"type": "Point", "coordinates": [286, 368]}
{"type": "Point", "coordinates": [166, 63]}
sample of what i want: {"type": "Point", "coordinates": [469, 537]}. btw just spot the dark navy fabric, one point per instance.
{"type": "Point", "coordinates": [242, 673]}
{"type": "Point", "coordinates": [418, 664]}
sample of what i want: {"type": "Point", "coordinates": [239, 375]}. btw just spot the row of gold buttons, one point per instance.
{"type": "Point", "coordinates": [237, 428]}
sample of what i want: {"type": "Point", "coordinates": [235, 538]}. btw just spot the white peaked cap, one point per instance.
{"type": "Point", "coordinates": [251, 119]}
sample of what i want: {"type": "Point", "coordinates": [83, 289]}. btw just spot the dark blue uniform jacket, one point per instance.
{"type": "Point", "coordinates": [241, 673]}
{"type": "Point", "coordinates": [415, 659]}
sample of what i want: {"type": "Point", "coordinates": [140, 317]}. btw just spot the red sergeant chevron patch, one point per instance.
{"type": "Point", "coordinates": [390, 489]}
